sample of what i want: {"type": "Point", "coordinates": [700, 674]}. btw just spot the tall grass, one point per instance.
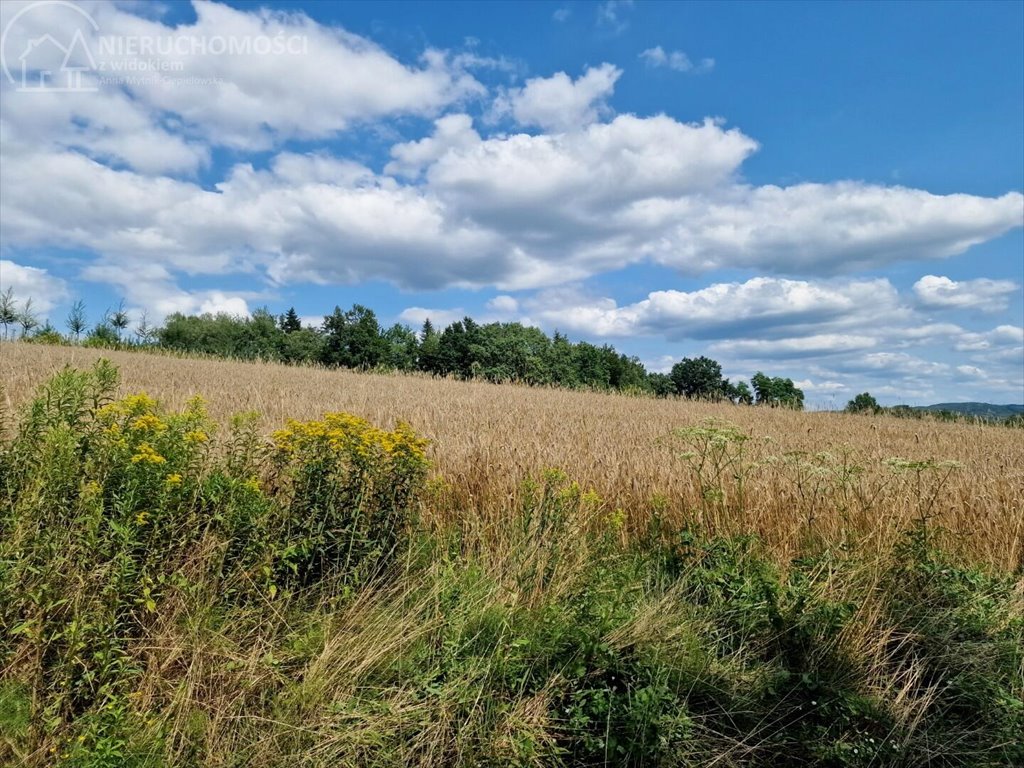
{"type": "Point", "coordinates": [183, 587]}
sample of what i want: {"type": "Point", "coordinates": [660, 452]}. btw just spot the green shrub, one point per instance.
{"type": "Point", "coordinates": [346, 487]}
{"type": "Point", "coordinates": [111, 511]}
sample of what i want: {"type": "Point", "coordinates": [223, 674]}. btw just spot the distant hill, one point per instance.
{"type": "Point", "coordinates": [978, 410]}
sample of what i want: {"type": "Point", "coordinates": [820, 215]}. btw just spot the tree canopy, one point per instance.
{"type": "Point", "coordinates": [776, 392]}
{"type": "Point", "coordinates": [354, 338]}
{"type": "Point", "coordinates": [863, 403]}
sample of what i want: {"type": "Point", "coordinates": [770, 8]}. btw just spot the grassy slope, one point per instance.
{"type": "Point", "coordinates": [194, 611]}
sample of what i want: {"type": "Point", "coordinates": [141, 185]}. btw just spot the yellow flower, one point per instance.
{"type": "Point", "coordinates": [195, 406]}
{"type": "Point", "coordinates": [617, 519]}
{"type": "Point", "coordinates": [108, 411]}
{"type": "Point", "coordinates": [141, 517]}
{"type": "Point", "coordinates": [284, 440]}
{"type": "Point", "coordinates": [173, 480]}
{"type": "Point", "coordinates": [352, 438]}
{"type": "Point", "coordinates": [138, 404]}
{"type": "Point", "coordinates": [196, 436]}
{"type": "Point", "coordinates": [148, 423]}
{"type": "Point", "coordinates": [146, 455]}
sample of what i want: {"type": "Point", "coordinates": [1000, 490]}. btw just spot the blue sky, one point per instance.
{"type": "Point", "coordinates": [825, 191]}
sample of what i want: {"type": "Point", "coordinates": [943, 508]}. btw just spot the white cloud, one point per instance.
{"type": "Point", "coordinates": [151, 288]}
{"type": "Point", "coordinates": [661, 364]}
{"type": "Point", "coordinates": [1008, 334]}
{"type": "Point", "coordinates": [451, 132]}
{"type": "Point", "coordinates": [336, 79]}
{"type": "Point", "coordinates": [498, 309]}
{"type": "Point", "coordinates": [768, 308]}
{"type": "Point", "coordinates": [503, 305]}
{"type": "Point", "coordinates": [971, 372]}
{"type": "Point", "coordinates": [464, 227]}
{"type": "Point", "coordinates": [814, 345]}
{"type": "Point", "coordinates": [674, 60]}
{"type": "Point", "coordinates": [603, 169]}
{"type": "Point", "coordinates": [107, 125]}
{"type": "Point", "coordinates": [611, 15]}
{"type": "Point", "coordinates": [286, 221]}
{"type": "Point", "coordinates": [820, 228]}
{"type": "Point", "coordinates": [34, 283]}
{"type": "Point", "coordinates": [316, 81]}
{"type": "Point", "coordinates": [895, 364]}
{"type": "Point", "coordinates": [561, 14]}
{"type": "Point", "coordinates": [999, 336]}
{"type": "Point", "coordinates": [559, 103]}
{"type": "Point", "coordinates": [821, 386]}
{"type": "Point", "coordinates": [981, 294]}
{"type": "Point", "coordinates": [517, 212]}
{"type": "Point", "coordinates": [514, 212]}
{"type": "Point", "coordinates": [439, 318]}
{"type": "Point", "coordinates": [634, 189]}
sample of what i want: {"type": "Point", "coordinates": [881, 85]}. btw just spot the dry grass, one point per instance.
{"type": "Point", "coordinates": [487, 438]}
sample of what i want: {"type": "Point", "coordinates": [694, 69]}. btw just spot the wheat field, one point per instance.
{"type": "Point", "coordinates": [800, 477]}
{"type": "Point", "coordinates": [565, 579]}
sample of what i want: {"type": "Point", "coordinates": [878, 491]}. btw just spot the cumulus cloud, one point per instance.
{"type": "Point", "coordinates": [515, 212]}
{"type": "Point", "coordinates": [604, 169]}
{"type": "Point", "coordinates": [655, 189]}
{"type": "Point", "coordinates": [34, 283]}
{"type": "Point", "coordinates": [1000, 336]}
{"type": "Point", "coordinates": [821, 228]}
{"type": "Point", "coordinates": [469, 225]}
{"type": "Point", "coordinates": [108, 126]}
{"type": "Point", "coordinates": [151, 288]}
{"type": "Point", "coordinates": [678, 61]}
{"type": "Point", "coordinates": [499, 309]}
{"type": "Point", "coordinates": [451, 132]}
{"type": "Point", "coordinates": [814, 345]}
{"type": "Point", "coordinates": [982, 294]}
{"type": "Point", "coordinates": [315, 82]}
{"type": "Point", "coordinates": [503, 305]}
{"type": "Point", "coordinates": [559, 103]}
{"type": "Point", "coordinates": [771, 308]}
{"type": "Point", "coordinates": [439, 318]}
{"type": "Point", "coordinates": [862, 329]}
{"type": "Point", "coordinates": [333, 79]}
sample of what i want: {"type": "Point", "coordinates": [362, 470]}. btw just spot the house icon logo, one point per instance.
{"type": "Point", "coordinates": [39, 60]}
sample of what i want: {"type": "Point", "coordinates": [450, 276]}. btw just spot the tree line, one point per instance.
{"type": "Point", "coordinates": [866, 404]}
{"type": "Point", "coordinates": [354, 338]}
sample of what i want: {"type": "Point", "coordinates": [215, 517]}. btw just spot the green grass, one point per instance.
{"type": "Point", "coordinates": [176, 594]}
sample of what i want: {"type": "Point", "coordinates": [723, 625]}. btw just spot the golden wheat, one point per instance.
{"type": "Point", "coordinates": [803, 477]}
